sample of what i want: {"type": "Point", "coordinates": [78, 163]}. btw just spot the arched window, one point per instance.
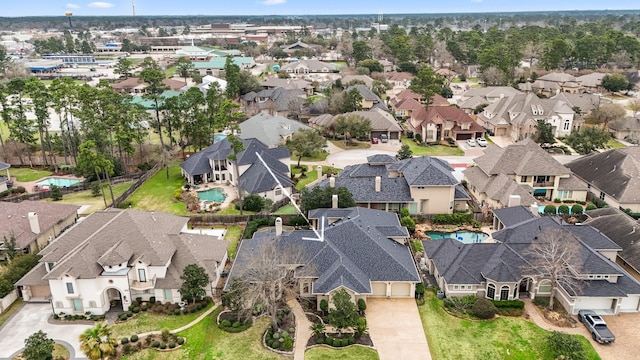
{"type": "Point", "coordinates": [544, 287]}
{"type": "Point", "coordinates": [491, 291]}
{"type": "Point", "coordinates": [504, 292]}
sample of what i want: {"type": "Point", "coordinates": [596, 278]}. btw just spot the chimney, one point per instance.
{"type": "Point", "coordinates": [534, 209]}
{"type": "Point", "coordinates": [332, 181]}
{"type": "Point", "coordinates": [319, 171]}
{"type": "Point", "coordinates": [278, 226]}
{"type": "Point", "coordinates": [378, 183]}
{"type": "Point", "coordinates": [334, 201]}
{"type": "Point", "coordinates": [34, 223]}
{"type": "Point", "coordinates": [514, 200]}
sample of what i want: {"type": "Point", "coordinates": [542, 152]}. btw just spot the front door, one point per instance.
{"type": "Point", "coordinates": [77, 305]}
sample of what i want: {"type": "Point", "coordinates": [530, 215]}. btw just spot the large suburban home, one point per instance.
{"type": "Point", "coordinates": [212, 165]}
{"type": "Point", "coordinates": [624, 231]}
{"type": "Point", "coordinates": [522, 169]}
{"type": "Point", "coordinates": [34, 224]}
{"type": "Point", "coordinates": [308, 66]}
{"type": "Point", "coordinates": [582, 103]}
{"type": "Point", "coordinates": [613, 176]}
{"type": "Point", "coordinates": [443, 122]}
{"type": "Point", "coordinates": [471, 98]}
{"type": "Point", "coordinates": [277, 102]}
{"type": "Point", "coordinates": [424, 185]}
{"type": "Point", "coordinates": [270, 130]}
{"type": "Point", "coordinates": [135, 86]}
{"type": "Point", "coordinates": [381, 121]}
{"type": "Point", "coordinates": [407, 103]}
{"type": "Point", "coordinates": [4, 180]}
{"type": "Point", "coordinates": [507, 269]}
{"type": "Point", "coordinates": [517, 116]}
{"type": "Point", "coordinates": [369, 99]}
{"type": "Point", "coordinates": [362, 251]}
{"type": "Point", "coordinates": [115, 256]}
{"type": "Point", "coordinates": [627, 129]}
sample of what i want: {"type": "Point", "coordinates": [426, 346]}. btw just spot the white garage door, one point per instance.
{"type": "Point", "coordinates": [593, 304]}
{"type": "Point", "coordinates": [629, 304]}
{"type": "Point", "coordinates": [379, 289]}
{"type": "Point", "coordinates": [401, 290]}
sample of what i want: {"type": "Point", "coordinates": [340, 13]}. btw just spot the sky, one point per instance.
{"type": "Point", "coordinates": [296, 7]}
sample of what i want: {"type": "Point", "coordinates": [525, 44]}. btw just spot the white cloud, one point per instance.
{"type": "Point", "coordinates": [101, 5]}
{"type": "Point", "coordinates": [273, 2]}
{"type": "Point", "coordinates": [476, 1]}
{"type": "Point", "coordinates": [72, 6]}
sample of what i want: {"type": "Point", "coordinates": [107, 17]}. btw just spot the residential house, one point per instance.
{"type": "Point", "coordinates": [34, 224]}
{"type": "Point", "coordinates": [369, 99]}
{"type": "Point", "coordinates": [582, 103]}
{"type": "Point", "coordinates": [522, 169]}
{"type": "Point", "coordinates": [504, 270]}
{"type": "Point", "coordinates": [300, 46]}
{"type": "Point", "coordinates": [406, 103]}
{"type": "Point", "coordinates": [115, 256]}
{"type": "Point", "coordinates": [423, 185]}
{"type": "Point", "coordinates": [212, 165]}
{"type": "Point", "coordinates": [270, 130]}
{"type": "Point", "coordinates": [591, 83]}
{"type": "Point", "coordinates": [308, 67]}
{"type": "Point", "coordinates": [362, 251]}
{"type": "Point", "coordinates": [627, 128]}
{"type": "Point", "coordinates": [365, 79]}
{"type": "Point", "coordinates": [554, 82]}
{"type": "Point", "coordinates": [276, 102]}
{"type": "Point", "coordinates": [136, 86]}
{"type": "Point", "coordinates": [4, 180]}
{"type": "Point", "coordinates": [613, 176]}
{"type": "Point", "coordinates": [381, 122]}
{"type": "Point", "coordinates": [473, 97]}
{"type": "Point", "coordinates": [288, 84]}
{"type": "Point", "coordinates": [624, 231]}
{"type": "Point", "coordinates": [509, 216]}
{"type": "Point", "coordinates": [517, 116]}
{"type": "Point", "coordinates": [398, 80]}
{"type": "Point", "coordinates": [443, 122]}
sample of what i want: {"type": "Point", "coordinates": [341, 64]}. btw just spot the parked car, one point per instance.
{"type": "Point", "coordinates": [471, 142]}
{"type": "Point", "coordinates": [481, 141]}
{"type": "Point", "coordinates": [384, 138]}
{"type": "Point", "coordinates": [374, 140]}
{"type": "Point", "coordinates": [596, 326]}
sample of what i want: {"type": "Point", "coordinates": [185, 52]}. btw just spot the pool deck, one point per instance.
{"type": "Point", "coordinates": [230, 191]}
{"type": "Point", "coordinates": [29, 186]}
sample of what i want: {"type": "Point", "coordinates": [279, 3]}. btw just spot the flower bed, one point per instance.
{"type": "Point", "coordinates": [230, 322]}
{"type": "Point", "coordinates": [282, 338]}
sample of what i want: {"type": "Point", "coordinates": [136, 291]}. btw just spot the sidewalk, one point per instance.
{"type": "Point", "coordinates": [303, 331]}
{"type": "Point", "coordinates": [185, 327]}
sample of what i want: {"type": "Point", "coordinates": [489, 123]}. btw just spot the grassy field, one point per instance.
{"type": "Point", "coordinates": [10, 311]}
{"type": "Point", "coordinates": [354, 144]}
{"type": "Point", "coordinates": [206, 341]}
{"type": "Point", "coordinates": [157, 193]}
{"type": "Point", "coordinates": [233, 235]}
{"type": "Point", "coordinates": [505, 338]}
{"type": "Point", "coordinates": [614, 144]}
{"type": "Point", "coordinates": [432, 150]}
{"type": "Point", "coordinates": [145, 321]}
{"type": "Point", "coordinates": [350, 353]}
{"type": "Point", "coordinates": [96, 202]}
{"type": "Point", "coordinates": [28, 174]}
{"type": "Point", "coordinates": [170, 71]}
{"type": "Point", "coordinates": [317, 157]}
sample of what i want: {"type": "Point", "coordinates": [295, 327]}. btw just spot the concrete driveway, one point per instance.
{"type": "Point", "coordinates": [31, 318]}
{"type": "Point", "coordinates": [357, 156]}
{"type": "Point", "coordinates": [396, 329]}
{"type": "Point", "coordinates": [625, 328]}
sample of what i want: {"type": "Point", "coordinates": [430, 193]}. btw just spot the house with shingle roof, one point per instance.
{"type": "Point", "coordinates": [212, 165]}
{"type": "Point", "coordinates": [613, 176]}
{"type": "Point", "coordinates": [522, 169]}
{"type": "Point", "coordinates": [34, 224]}
{"type": "Point", "coordinates": [116, 256]}
{"type": "Point", "coordinates": [363, 251]}
{"type": "Point", "coordinates": [135, 86]}
{"type": "Point", "coordinates": [502, 270]}
{"type": "Point", "coordinates": [381, 122]}
{"type": "Point", "coordinates": [309, 66]}
{"type": "Point", "coordinates": [276, 101]}
{"type": "Point", "coordinates": [423, 185]}
{"type": "Point", "coordinates": [627, 128]}
{"type": "Point", "coordinates": [369, 99]}
{"type": "Point", "coordinates": [443, 122]}
{"type": "Point", "coordinates": [270, 130]}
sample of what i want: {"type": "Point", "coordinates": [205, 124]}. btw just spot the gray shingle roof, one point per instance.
{"type": "Point", "coordinates": [622, 229]}
{"type": "Point", "coordinates": [357, 250]}
{"type": "Point", "coordinates": [271, 130]}
{"type": "Point", "coordinates": [513, 215]}
{"type": "Point", "coordinates": [526, 158]}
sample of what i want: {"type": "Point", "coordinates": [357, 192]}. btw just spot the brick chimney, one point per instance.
{"type": "Point", "coordinates": [278, 226]}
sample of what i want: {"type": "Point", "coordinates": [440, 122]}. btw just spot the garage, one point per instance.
{"type": "Point", "coordinates": [40, 291]}
{"type": "Point", "coordinates": [629, 304]}
{"type": "Point", "coordinates": [377, 134]}
{"type": "Point", "coordinates": [463, 136]}
{"type": "Point", "coordinates": [379, 289]}
{"type": "Point", "coordinates": [401, 290]}
{"type": "Point", "coordinates": [593, 303]}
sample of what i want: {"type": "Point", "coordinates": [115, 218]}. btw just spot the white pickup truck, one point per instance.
{"type": "Point", "coordinates": [596, 326]}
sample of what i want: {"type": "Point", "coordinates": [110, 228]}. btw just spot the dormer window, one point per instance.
{"type": "Point", "coordinates": [69, 288]}
{"type": "Point", "coordinates": [50, 266]}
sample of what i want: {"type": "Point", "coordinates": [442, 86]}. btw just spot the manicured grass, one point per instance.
{"type": "Point", "coordinates": [355, 144]}
{"type": "Point", "coordinates": [233, 235]}
{"type": "Point", "coordinates": [450, 337]}
{"type": "Point", "coordinates": [146, 321]}
{"type": "Point", "coordinates": [614, 144]}
{"type": "Point", "coordinates": [314, 98]}
{"type": "Point", "coordinates": [231, 210]}
{"type": "Point", "coordinates": [170, 71]}
{"type": "Point", "coordinates": [12, 309]}
{"type": "Point", "coordinates": [157, 193]}
{"type": "Point", "coordinates": [431, 150]}
{"type": "Point", "coordinates": [317, 157]}
{"type": "Point", "coordinates": [96, 202]}
{"type": "Point", "coordinates": [206, 341]}
{"type": "Point", "coordinates": [28, 174]}
{"type": "Point", "coordinates": [60, 352]}
{"type": "Point", "coordinates": [350, 353]}
{"type": "Point", "coordinates": [311, 175]}
{"type": "Point", "coordinates": [286, 210]}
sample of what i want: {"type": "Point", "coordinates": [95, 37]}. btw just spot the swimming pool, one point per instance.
{"type": "Point", "coordinates": [219, 137]}
{"type": "Point", "coordinates": [58, 181]}
{"type": "Point", "coordinates": [464, 236]}
{"type": "Point", "coordinates": [214, 194]}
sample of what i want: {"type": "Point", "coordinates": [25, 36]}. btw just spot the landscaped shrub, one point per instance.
{"type": "Point", "coordinates": [172, 345]}
{"type": "Point", "coordinates": [135, 310]}
{"type": "Point", "coordinates": [576, 209]}
{"type": "Point", "coordinates": [134, 338]}
{"type": "Point", "coordinates": [319, 340]}
{"type": "Point", "coordinates": [165, 334]}
{"type": "Point", "coordinates": [563, 209]}
{"type": "Point", "coordinates": [156, 344]}
{"type": "Point", "coordinates": [276, 336]}
{"type": "Point", "coordinates": [124, 341]}
{"type": "Point", "coordinates": [287, 344]}
{"type": "Point", "coordinates": [123, 317]}
{"type": "Point", "coordinates": [180, 340]}
{"type": "Point", "coordinates": [452, 219]}
{"type": "Point", "coordinates": [329, 340]}
{"type": "Point", "coordinates": [557, 201]}
{"type": "Point", "coordinates": [324, 306]}
{"type": "Point", "coordinates": [275, 345]}
{"type": "Point", "coordinates": [225, 323]}
{"type": "Point", "coordinates": [144, 308]}
{"type": "Point", "coordinates": [176, 312]}
{"type": "Point", "coordinates": [565, 346]}
{"type": "Point", "coordinates": [352, 340]}
{"type": "Point", "coordinates": [362, 305]}
{"type": "Point", "coordinates": [591, 207]}
{"type": "Point", "coordinates": [129, 314]}
{"type": "Point", "coordinates": [515, 304]}
{"type": "Point", "coordinates": [269, 342]}
{"type": "Point", "coordinates": [148, 340]}
{"type": "Point", "coordinates": [541, 301]}
{"type": "Point", "coordinates": [236, 324]}
{"type": "Point", "coordinates": [345, 342]}
{"type": "Point", "coordinates": [292, 330]}
{"type": "Point", "coordinates": [163, 346]}
{"type": "Point", "coordinates": [484, 309]}
{"type": "Point", "coordinates": [337, 342]}
{"type": "Point", "coordinates": [139, 299]}
{"type": "Point", "coordinates": [550, 210]}
{"type": "Point", "coordinates": [408, 222]}
{"type": "Point", "coordinates": [127, 349]}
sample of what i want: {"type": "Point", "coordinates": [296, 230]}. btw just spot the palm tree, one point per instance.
{"type": "Point", "coordinates": [97, 342]}
{"type": "Point", "coordinates": [317, 329]}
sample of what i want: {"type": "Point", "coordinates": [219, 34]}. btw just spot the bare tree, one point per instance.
{"type": "Point", "coordinates": [634, 105]}
{"type": "Point", "coordinates": [555, 255]}
{"type": "Point", "coordinates": [606, 114]}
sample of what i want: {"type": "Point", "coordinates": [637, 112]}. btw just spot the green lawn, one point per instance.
{"type": "Point", "coordinates": [312, 175]}
{"type": "Point", "coordinates": [432, 150]}
{"type": "Point", "coordinates": [28, 174]}
{"type": "Point", "coordinates": [12, 309]}
{"type": "Point", "coordinates": [231, 210]}
{"type": "Point", "coordinates": [286, 210]}
{"type": "Point", "coordinates": [170, 71]}
{"type": "Point", "coordinates": [157, 193]}
{"type": "Point", "coordinates": [233, 235]}
{"type": "Point", "coordinates": [354, 144]}
{"type": "Point", "coordinates": [350, 353]}
{"type": "Point", "coordinates": [145, 321]}
{"type": "Point", "coordinates": [317, 157]}
{"type": "Point", "coordinates": [96, 202]}
{"type": "Point", "coordinates": [206, 341]}
{"type": "Point", "coordinates": [505, 338]}
{"type": "Point", "coordinates": [614, 144]}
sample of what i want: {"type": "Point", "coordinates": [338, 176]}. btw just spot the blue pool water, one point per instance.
{"type": "Point", "coordinates": [465, 237]}
{"type": "Point", "coordinates": [219, 137]}
{"type": "Point", "coordinates": [215, 195]}
{"type": "Point", "coordinates": [57, 181]}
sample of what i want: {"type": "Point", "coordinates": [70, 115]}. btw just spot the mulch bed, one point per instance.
{"type": "Point", "coordinates": [365, 339]}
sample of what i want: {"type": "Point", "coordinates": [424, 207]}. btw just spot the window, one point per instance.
{"type": "Point", "coordinates": [69, 288]}
{"type": "Point", "coordinates": [469, 287]}
{"type": "Point", "coordinates": [92, 304]}
{"type": "Point", "coordinates": [544, 287]}
{"type": "Point", "coordinates": [142, 275]}
{"type": "Point", "coordinates": [601, 195]}
{"type": "Point", "coordinates": [50, 266]}
{"type": "Point", "coordinates": [58, 304]}
{"type": "Point", "coordinates": [566, 125]}
{"type": "Point", "coordinates": [504, 293]}
{"type": "Point", "coordinates": [491, 291]}
{"type": "Point", "coordinates": [523, 179]}
{"type": "Point", "coordinates": [278, 192]}
{"type": "Point", "coordinates": [420, 187]}
{"type": "Point", "coordinates": [167, 294]}
{"type": "Point", "coordinates": [455, 287]}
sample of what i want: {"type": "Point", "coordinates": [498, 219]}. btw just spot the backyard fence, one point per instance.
{"type": "Point", "coordinates": [6, 301]}
{"type": "Point", "coordinates": [140, 180]}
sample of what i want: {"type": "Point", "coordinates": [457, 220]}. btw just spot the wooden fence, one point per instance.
{"type": "Point", "coordinates": [141, 180]}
